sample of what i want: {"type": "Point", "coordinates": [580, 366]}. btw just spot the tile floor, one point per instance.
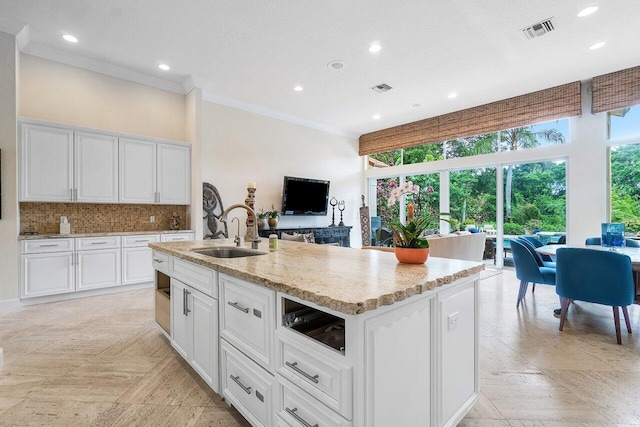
{"type": "Point", "coordinates": [101, 362]}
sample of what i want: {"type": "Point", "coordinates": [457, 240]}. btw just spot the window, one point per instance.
{"type": "Point", "coordinates": [624, 123]}
{"type": "Point", "coordinates": [625, 186]}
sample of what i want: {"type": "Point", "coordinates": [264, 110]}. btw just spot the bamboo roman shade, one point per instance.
{"type": "Point", "coordinates": [616, 90]}
{"type": "Point", "coordinates": [545, 105]}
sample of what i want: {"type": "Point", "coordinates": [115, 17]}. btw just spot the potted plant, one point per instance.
{"type": "Point", "coordinates": [272, 217]}
{"type": "Point", "coordinates": [410, 245]}
{"type": "Point", "coordinates": [262, 219]}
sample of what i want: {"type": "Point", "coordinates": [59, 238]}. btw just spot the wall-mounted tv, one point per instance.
{"type": "Point", "coordinates": [304, 196]}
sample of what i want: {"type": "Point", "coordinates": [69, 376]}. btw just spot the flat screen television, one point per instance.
{"type": "Point", "coordinates": [304, 196]}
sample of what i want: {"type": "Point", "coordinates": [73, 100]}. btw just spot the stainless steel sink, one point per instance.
{"type": "Point", "coordinates": [228, 252]}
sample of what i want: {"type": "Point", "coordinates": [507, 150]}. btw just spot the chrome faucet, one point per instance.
{"type": "Point", "coordinates": [256, 237]}
{"type": "Point", "coordinates": [236, 239]}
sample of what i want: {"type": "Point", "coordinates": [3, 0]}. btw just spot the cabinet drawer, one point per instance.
{"type": "Point", "coordinates": [200, 278]}
{"type": "Point", "coordinates": [90, 243]}
{"type": "Point", "coordinates": [46, 245]}
{"type": "Point", "coordinates": [139, 240]}
{"type": "Point", "coordinates": [247, 386]}
{"type": "Point", "coordinates": [322, 377]}
{"type": "Point", "coordinates": [248, 318]}
{"type": "Point", "coordinates": [161, 262]}
{"type": "Point", "coordinates": [297, 408]}
{"type": "Point", "coordinates": [177, 237]}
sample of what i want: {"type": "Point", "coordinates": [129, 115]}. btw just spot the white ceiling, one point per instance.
{"type": "Point", "coordinates": [251, 53]}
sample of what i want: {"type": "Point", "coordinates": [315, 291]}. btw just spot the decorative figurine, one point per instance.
{"type": "Point", "coordinates": [212, 206]}
{"type": "Point", "coordinates": [333, 202]}
{"type": "Point", "coordinates": [341, 209]}
{"type": "Point", "coordinates": [250, 201]}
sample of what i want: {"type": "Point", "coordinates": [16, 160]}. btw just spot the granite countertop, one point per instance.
{"type": "Point", "coordinates": [348, 280]}
{"type": "Point", "coordinates": [115, 233]}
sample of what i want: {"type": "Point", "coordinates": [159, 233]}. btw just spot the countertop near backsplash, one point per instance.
{"type": "Point", "coordinates": [115, 233]}
{"type": "Point", "coordinates": [90, 218]}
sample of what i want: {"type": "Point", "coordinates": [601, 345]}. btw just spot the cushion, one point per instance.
{"type": "Point", "coordinates": [472, 230]}
{"type": "Point", "coordinates": [309, 237]}
{"type": "Point", "coordinates": [292, 237]}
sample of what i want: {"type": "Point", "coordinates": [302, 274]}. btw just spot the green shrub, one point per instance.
{"type": "Point", "coordinates": [513, 228]}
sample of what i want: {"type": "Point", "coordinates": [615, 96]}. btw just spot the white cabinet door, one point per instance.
{"type": "Point", "coordinates": [96, 166]}
{"type": "Point", "coordinates": [46, 164]}
{"type": "Point", "coordinates": [174, 174]}
{"type": "Point", "coordinates": [98, 269]}
{"type": "Point", "coordinates": [137, 265]}
{"type": "Point", "coordinates": [47, 274]}
{"type": "Point", "coordinates": [137, 171]}
{"type": "Point", "coordinates": [180, 339]}
{"type": "Point", "coordinates": [203, 319]}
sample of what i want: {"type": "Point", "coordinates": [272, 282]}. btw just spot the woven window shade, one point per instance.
{"type": "Point", "coordinates": [545, 105]}
{"type": "Point", "coordinates": [616, 90]}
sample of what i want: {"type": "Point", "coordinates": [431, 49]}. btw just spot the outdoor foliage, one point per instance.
{"type": "Point", "coordinates": [536, 191]}
{"type": "Point", "coordinates": [625, 186]}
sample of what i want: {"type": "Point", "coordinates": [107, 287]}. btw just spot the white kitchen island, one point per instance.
{"type": "Point", "coordinates": [316, 335]}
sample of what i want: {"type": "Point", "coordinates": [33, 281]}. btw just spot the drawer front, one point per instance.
{"type": "Point", "coordinates": [177, 237]}
{"type": "Point", "coordinates": [297, 409]}
{"type": "Point", "coordinates": [91, 243]}
{"type": "Point", "coordinates": [40, 246]}
{"type": "Point", "coordinates": [139, 240]}
{"type": "Point", "coordinates": [248, 319]}
{"type": "Point", "coordinates": [323, 377]}
{"type": "Point", "coordinates": [247, 386]}
{"type": "Point", "coordinates": [161, 262]}
{"type": "Point", "coordinates": [201, 278]}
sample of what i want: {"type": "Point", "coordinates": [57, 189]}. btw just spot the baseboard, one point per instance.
{"type": "Point", "coordinates": [8, 305]}
{"type": "Point", "coordinates": [83, 294]}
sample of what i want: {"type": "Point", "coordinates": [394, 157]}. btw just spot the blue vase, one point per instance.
{"type": "Point", "coordinates": [612, 234]}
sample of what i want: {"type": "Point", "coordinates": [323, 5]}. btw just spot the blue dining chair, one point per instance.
{"type": "Point", "coordinates": [537, 244]}
{"type": "Point", "coordinates": [543, 260]}
{"type": "Point", "coordinates": [528, 270]}
{"type": "Point", "coordinates": [600, 277]}
{"type": "Point", "coordinates": [630, 243]}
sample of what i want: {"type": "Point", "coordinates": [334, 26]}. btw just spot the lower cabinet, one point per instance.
{"type": "Point", "coordinates": [47, 274]}
{"type": "Point", "coordinates": [247, 386]}
{"type": "Point", "coordinates": [194, 330]}
{"type": "Point", "coordinates": [97, 269]}
{"type": "Point", "coordinates": [296, 408]}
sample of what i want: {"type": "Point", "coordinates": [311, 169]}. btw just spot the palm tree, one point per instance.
{"type": "Point", "coordinates": [524, 137]}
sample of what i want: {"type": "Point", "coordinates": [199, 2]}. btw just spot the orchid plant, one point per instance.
{"type": "Point", "coordinates": [410, 235]}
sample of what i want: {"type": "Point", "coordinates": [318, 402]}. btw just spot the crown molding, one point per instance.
{"type": "Point", "coordinates": [256, 109]}
{"type": "Point", "coordinates": [23, 38]}
{"type": "Point", "coordinates": [57, 55]}
{"type": "Point", "coordinates": [10, 26]}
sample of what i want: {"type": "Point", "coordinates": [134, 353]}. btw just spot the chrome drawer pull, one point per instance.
{"type": "Point", "coordinates": [141, 241]}
{"type": "Point", "coordinates": [238, 306]}
{"type": "Point", "coordinates": [298, 418]}
{"type": "Point", "coordinates": [99, 243]}
{"type": "Point", "coordinates": [48, 246]}
{"type": "Point", "coordinates": [242, 386]}
{"type": "Point", "coordinates": [294, 366]}
{"type": "Point", "coordinates": [159, 261]}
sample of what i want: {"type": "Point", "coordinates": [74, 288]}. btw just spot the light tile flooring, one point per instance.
{"type": "Point", "coordinates": [101, 362]}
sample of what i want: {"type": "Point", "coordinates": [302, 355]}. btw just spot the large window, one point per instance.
{"type": "Point", "coordinates": [473, 198]}
{"type": "Point", "coordinates": [624, 123]}
{"type": "Point", "coordinates": [625, 186]}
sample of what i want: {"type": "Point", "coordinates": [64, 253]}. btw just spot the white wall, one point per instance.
{"type": "Point", "coordinates": [8, 134]}
{"type": "Point", "coordinates": [240, 147]}
{"type": "Point", "coordinates": [193, 133]}
{"type": "Point", "coordinates": [62, 93]}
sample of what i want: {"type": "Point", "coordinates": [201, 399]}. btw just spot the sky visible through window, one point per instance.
{"type": "Point", "coordinates": [561, 126]}
{"type": "Point", "coordinates": [625, 127]}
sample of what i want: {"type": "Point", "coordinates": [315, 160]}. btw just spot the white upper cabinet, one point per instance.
{"type": "Point", "coordinates": [138, 171]}
{"type": "Point", "coordinates": [96, 166]}
{"type": "Point", "coordinates": [174, 174]}
{"type": "Point", "coordinates": [46, 164]}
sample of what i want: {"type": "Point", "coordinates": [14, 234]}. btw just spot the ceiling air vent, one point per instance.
{"type": "Point", "coordinates": [540, 28]}
{"type": "Point", "coordinates": [382, 87]}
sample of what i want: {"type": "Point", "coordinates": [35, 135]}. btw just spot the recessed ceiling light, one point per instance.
{"type": "Point", "coordinates": [587, 11]}
{"type": "Point", "coordinates": [376, 117]}
{"type": "Point", "coordinates": [298, 88]}
{"type": "Point", "coordinates": [70, 38]}
{"type": "Point", "coordinates": [164, 67]}
{"type": "Point", "coordinates": [375, 47]}
{"type": "Point", "coordinates": [335, 65]}
{"type": "Point", "coordinates": [596, 45]}
{"type": "Point", "coordinates": [416, 105]}
{"type": "Point", "coordinates": [452, 95]}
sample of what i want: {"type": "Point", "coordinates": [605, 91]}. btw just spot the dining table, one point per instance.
{"type": "Point", "coordinates": [632, 253]}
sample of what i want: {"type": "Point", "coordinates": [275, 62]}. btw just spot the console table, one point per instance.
{"type": "Point", "coordinates": [323, 235]}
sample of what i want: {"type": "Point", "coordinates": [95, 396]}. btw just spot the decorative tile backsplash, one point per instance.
{"type": "Point", "coordinates": [98, 218]}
